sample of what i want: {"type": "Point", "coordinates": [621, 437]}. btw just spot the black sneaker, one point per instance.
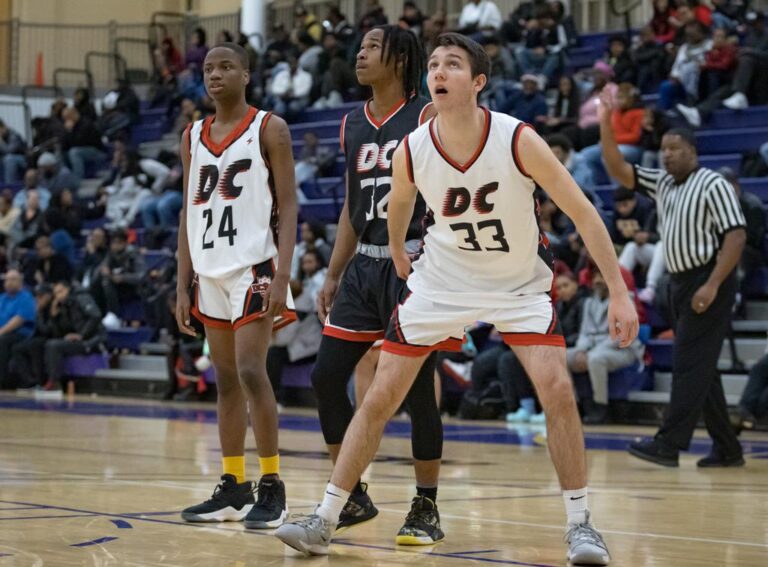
{"type": "Point", "coordinates": [230, 502]}
{"type": "Point", "coordinates": [716, 460]}
{"type": "Point", "coordinates": [654, 451]}
{"type": "Point", "coordinates": [270, 510]}
{"type": "Point", "coordinates": [422, 524]}
{"type": "Point", "coordinates": [358, 509]}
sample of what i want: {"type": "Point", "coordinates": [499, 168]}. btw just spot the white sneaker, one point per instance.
{"type": "Point", "coordinates": [460, 372]}
{"type": "Point", "coordinates": [737, 101]}
{"type": "Point", "coordinates": [522, 415]}
{"type": "Point", "coordinates": [111, 321]}
{"type": "Point", "coordinates": [586, 545]}
{"type": "Point", "coordinates": [647, 295]}
{"type": "Point", "coordinates": [309, 534]}
{"type": "Point", "coordinates": [691, 114]}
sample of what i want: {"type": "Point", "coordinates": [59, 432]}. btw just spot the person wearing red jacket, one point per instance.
{"type": "Point", "coordinates": [719, 63]}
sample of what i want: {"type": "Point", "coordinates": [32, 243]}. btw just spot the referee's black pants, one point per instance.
{"type": "Point", "coordinates": [696, 382]}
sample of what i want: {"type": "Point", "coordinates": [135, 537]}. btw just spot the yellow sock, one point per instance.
{"type": "Point", "coordinates": [234, 466]}
{"type": "Point", "coordinates": [269, 465]}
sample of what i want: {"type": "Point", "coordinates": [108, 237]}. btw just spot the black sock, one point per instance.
{"type": "Point", "coordinates": [430, 492]}
{"type": "Point", "coordinates": [358, 489]}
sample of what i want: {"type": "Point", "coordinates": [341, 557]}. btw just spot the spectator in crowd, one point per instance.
{"type": "Point", "coordinates": [309, 52]}
{"type": "Point", "coordinates": [753, 404]}
{"type": "Point", "coordinates": [545, 42]}
{"type": "Point", "coordinates": [655, 125]}
{"type": "Point", "coordinates": [50, 266]}
{"type": "Point", "coordinates": [312, 238]}
{"type": "Point", "coordinates": [728, 14]}
{"type": "Point", "coordinates": [336, 77]}
{"type": "Point", "coordinates": [299, 342]}
{"type": "Point", "coordinates": [197, 50]}
{"type": "Point", "coordinates": [528, 104]}
{"type": "Point", "coordinates": [619, 58]}
{"type": "Point", "coordinates": [306, 22]}
{"type": "Point", "coordinates": [29, 224]}
{"type": "Point", "coordinates": [129, 190]}
{"type": "Point", "coordinates": [278, 48]}
{"type": "Point", "coordinates": [289, 93]}
{"type": "Point", "coordinates": [479, 18]}
{"type": "Point", "coordinates": [433, 27]}
{"type": "Point", "coordinates": [341, 28]}
{"type": "Point", "coordinates": [649, 59]}
{"type": "Point", "coordinates": [719, 64]}
{"type": "Point", "coordinates": [501, 82]}
{"type": "Point", "coordinates": [81, 143]}
{"type": "Point", "coordinates": [74, 328]}
{"type": "Point", "coordinates": [683, 81]}
{"type": "Point", "coordinates": [64, 214]}
{"type": "Point", "coordinates": [581, 172]}
{"type": "Point", "coordinates": [689, 11]}
{"type": "Point", "coordinates": [224, 36]}
{"type": "Point", "coordinates": [555, 224]}
{"type": "Point", "coordinates": [595, 352]}
{"type": "Point", "coordinates": [17, 319]}
{"type": "Point", "coordinates": [12, 154]}
{"type": "Point", "coordinates": [634, 229]}
{"type": "Point", "coordinates": [627, 120]}
{"type": "Point", "coordinates": [663, 30]}
{"type": "Point", "coordinates": [54, 175]}
{"type": "Point", "coordinates": [119, 275]}
{"type": "Point", "coordinates": [161, 211]}
{"type": "Point", "coordinates": [314, 161]}
{"type": "Point", "coordinates": [114, 123]}
{"type": "Point", "coordinates": [8, 214]}
{"type": "Point", "coordinates": [752, 63]}
{"type": "Point", "coordinates": [411, 18]}
{"type": "Point", "coordinates": [28, 356]}
{"type": "Point", "coordinates": [187, 115]}
{"type": "Point", "coordinates": [510, 368]}
{"type": "Point", "coordinates": [32, 183]}
{"type": "Point", "coordinates": [586, 132]}
{"type": "Point", "coordinates": [47, 132]}
{"type": "Point", "coordinates": [173, 62]}
{"type": "Point", "coordinates": [82, 102]}
{"type": "Point", "coordinates": [566, 109]}
{"type": "Point", "coordinates": [96, 249]}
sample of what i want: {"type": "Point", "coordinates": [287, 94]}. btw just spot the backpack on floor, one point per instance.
{"type": "Point", "coordinates": [487, 404]}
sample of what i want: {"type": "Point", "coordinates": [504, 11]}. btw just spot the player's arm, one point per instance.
{"type": "Point", "coordinates": [545, 169]}
{"type": "Point", "coordinates": [402, 200]}
{"type": "Point", "coordinates": [184, 261]}
{"type": "Point", "coordinates": [617, 166]}
{"type": "Point", "coordinates": [277, 145]}
{"type": "Point", "coordinates": [343, 250]}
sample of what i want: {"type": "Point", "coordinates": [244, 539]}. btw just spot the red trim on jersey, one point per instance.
{"type": "Point", "coordinates": [453, 345]}
{"type": "Point", "coordinates": [478, 151]}
{"type": "Point", "coordinates": [352, 336]}
{"type": "Point", "coordinates": [553, 324]}
{"type": "Point", "coordinates": [262, 128]}
{"type": "Point", "coordinates": [237, 131]}
{"type": "Point", "coordinates": [515, 155]}
{"type": "Point", "coordinates": [533, 339]}
{"type": "Point", "coordinates": [287, 317]}
{"type": "Point", "coordinates": [392, 111]}
{"type": "Point", "coordinates": [341, 132]}
{"type": "Point", "coordinates": [408, 160]}
{"type": "Point", "coordinates": [424, 111]}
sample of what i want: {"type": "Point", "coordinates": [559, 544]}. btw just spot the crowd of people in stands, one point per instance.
{"type": "Point", "coordinates": [690, 59]}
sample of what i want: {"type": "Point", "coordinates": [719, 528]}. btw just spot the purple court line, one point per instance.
{"type": "Point", "coordinates": [52, 517]}
{"type": "Point", "coordinates": [94, 542]}
{"type": "Point", "coordinates": [24, 508]}
{"type": "Point", "coordinates": [256, 533]}
{"type": "Point", "coordinates": [520, 497]}
{"type": "Point", "coordinates": [122, 524]}
{"type": "Point", "coordinates": [473, 552]}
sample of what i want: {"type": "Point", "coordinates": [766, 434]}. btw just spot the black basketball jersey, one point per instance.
{"type": "Point", "coordinates": [368, 147]}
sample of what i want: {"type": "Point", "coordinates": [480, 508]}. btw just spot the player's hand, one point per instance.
{"type": "Point", "coordinates": [326, 296]}
{"type": "Point", "coordinates": [703, 298]}
{"type": "Point", "coordinates": [605, 108]}
{"type": "Point", "coordinates": [183, 319]}
{"type": "Point", "coordinates": [623, 324]}
{"type": "Point", "coordinates": [402, 264]}
{"type": "Point", "coordinates": [275, 296]}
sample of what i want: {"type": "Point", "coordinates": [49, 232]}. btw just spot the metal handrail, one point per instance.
{"type": "Point", "coordinates": [134, 40]}
{"type": "Point", "coordinates": [27, 117]}
{"type": "Point", "coordinates": [120, 63]}
{"type": "Point", "coordinates": [73, 71]}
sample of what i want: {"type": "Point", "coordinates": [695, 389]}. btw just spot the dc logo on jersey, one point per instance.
{"type": "Point", "coordinates": [261, 285]}
{"type": "Point", "coordinates": [208, 181]}
{"type": "Point", "coordinates": [371, 155]}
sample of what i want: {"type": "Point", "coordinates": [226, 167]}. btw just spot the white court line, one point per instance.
{"type": "Point", "coordinates": [614, 532]}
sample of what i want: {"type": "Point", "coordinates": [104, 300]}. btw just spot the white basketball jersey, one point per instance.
{"type": "Point", "coordinates": [231, 206]}
{"type": "Point", "coordinates": [482, 243]}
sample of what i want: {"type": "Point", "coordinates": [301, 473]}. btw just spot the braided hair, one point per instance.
{"type": "Point", "coordinates": [405, 47]}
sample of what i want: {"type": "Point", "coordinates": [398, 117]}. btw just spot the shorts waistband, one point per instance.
{"type": "Point", "coordinates": [382, 252]}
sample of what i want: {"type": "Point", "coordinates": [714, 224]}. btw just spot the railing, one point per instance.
{"type": "Point", "coordinates": [16, 116]}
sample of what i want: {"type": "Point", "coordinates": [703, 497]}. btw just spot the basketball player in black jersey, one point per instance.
{"type": "Point", "coordinates": [362, 288]}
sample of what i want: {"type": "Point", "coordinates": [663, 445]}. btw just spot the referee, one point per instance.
{"type": "Point", "coordinates": [703, 233]}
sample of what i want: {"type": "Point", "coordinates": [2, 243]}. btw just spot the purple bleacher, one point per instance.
{"type": "Point", "coordinates": [82, 366]}
{"type": "Point", "coordinates": [324, 187]}
{"type": "Point", "coordinates": [630, 379]}
{"type": "Point", "coordinates": [661, 351]}
{"type": "Point", "coordinates": [325, 129]}
{"type": "Point", "coordinates": [132, 311]}
{"type": "Point", "coordinates": [736, 140]}
{"type": "Point", "coordinates": [329, 113]}
{"type": "Point", "coordinates": [746, 118]}
{"type": "Point", "coordinates": [297, 145]}
{"type": "Point", "coordinates": [129, 338]}
{"type": "Point", "coordinates": [323, 210]}
{"type": "Point", "coordinates": [756, 185]}
{"type": "Point", "coordinates": [90, 224]}
{"type": "Point", "coordinates": [756, 283]}
{"type": "Point", "coordinates": [147, 132]}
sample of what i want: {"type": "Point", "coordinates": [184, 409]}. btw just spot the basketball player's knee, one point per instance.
{"type": "Point", "coordinates": [324, 386]}
{"type": "Point", "coordinates": [557, 389]}
{"type": "Point", "coordinates": [227, 383]}
{"type": "Point", "coordinates": [379, 408]}
{"type": "Point", "coordinates": [253, 380]}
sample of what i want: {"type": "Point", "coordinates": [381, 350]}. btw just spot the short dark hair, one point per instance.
{"type": "Point", "coordinates": [118, 234]}
{"type": "Point", "coordinates": [686, 134]}
{"type": "Point", "coordinates": [560, 141]}
{"type": "Point", "coordinates": [479, 61]}
{"type": "Point", "coordinates": [623, 194]}
{"type": "Point", "coordinates": [242, 54]}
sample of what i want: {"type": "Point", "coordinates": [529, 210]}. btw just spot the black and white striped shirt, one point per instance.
{"type": "Point", "coordinates": [693, 216]}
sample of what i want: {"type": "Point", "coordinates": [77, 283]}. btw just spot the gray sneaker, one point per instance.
{"type": "Point", "coordinates": [586, 545]}
{"type": "Point", "coordinates": [308, 534]}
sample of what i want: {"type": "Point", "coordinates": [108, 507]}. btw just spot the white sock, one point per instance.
{"type": "Point", "coordinates": [333, 502]}
{"type": "Point", "coordinates": [576, 505]}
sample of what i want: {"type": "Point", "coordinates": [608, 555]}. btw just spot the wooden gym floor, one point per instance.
{"type": "Point", "coordinates": [99, 482]}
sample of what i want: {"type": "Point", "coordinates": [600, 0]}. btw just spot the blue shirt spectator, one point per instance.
{"type": "Point", "coordinates": [17, 307]}
{"type": "Point", "coordinates": [528, 104]}
{"type": "Point", "coordinates": [31, 183]}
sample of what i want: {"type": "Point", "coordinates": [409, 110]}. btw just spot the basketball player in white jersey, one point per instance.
{"type": "Point", "coordinates": [484, 258]}
{"type": "Point", "coordinates": [238, 189]}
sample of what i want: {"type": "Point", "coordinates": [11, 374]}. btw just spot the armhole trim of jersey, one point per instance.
{"type": "Point", "coordinates": [188, 132]}
{"type": "Point", "coordinates": [342, 128]}
{"type": "Point", "coordinates": [262, 128]}
{"type": "Point", "coordinates": [430, 104]}
{"type": "Point", "coordinates": [515, 138]}
{"type": "Point", "coordinates": [408, 160]}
